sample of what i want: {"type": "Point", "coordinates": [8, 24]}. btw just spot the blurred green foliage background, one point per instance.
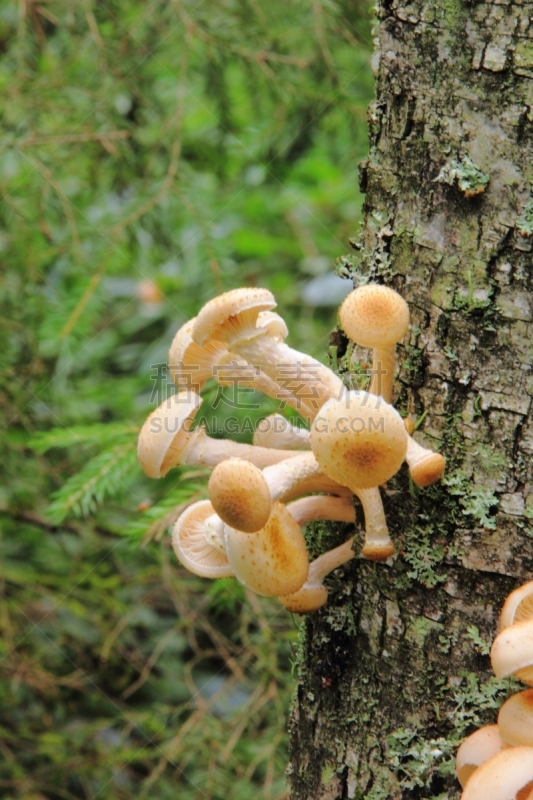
{"type": "Point", "coordinates": [152, 154]}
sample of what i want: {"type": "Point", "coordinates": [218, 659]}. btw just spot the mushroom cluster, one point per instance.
{"type": "Point", "coordinates": [356, 442]}
{"type": "Point", "coordinates": [496, 762]}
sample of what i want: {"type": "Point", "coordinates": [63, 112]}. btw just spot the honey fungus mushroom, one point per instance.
{"type": "Point", "coordinates": [272, 561]}
{"type": "Point", "coordinates": [167, 440]}
{"type": "Point", "coordinates": [475, 750]}
{"type": "Point", "coordinates": [198, 541]}
{"type": "Point", "coordinates": [359, 441]}
{"type": "Point", "coordinates": [512, 652]}
{"type": "Point", "coordinates": [378, 317]}
{"type": "Point", "coordinates": [242, 494]}
{"type": "Point", "coordinates": [232, 318]}
{"type": "Point", "coordinates": [506, 776]}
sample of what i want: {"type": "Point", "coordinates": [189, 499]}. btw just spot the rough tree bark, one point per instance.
{"type": "Point", "coordinates": [394, 670]}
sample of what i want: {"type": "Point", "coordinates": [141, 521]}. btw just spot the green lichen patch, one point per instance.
{"type": "Point", "coordinates": [463, 172]}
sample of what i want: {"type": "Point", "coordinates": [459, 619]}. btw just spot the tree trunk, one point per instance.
{"type": "Point", "coordinates": [394, 670]}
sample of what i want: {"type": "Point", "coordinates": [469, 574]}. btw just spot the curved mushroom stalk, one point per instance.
{"type": "Point", "coordinates": [232, 318]}
{"type": "Point", "coordinates": [273, 561]}
{"type": "Point", "coordinates": [426, 466]}
{"type": "Point", "coordinates": [334, 509]}
{"type": "Point", "coordinates": [506, 776]}
{"type": "Point", "coordinates": [166, 440]}
{"type": "Point", "coordinates": [198, 543]}
{"type": "Point", "coordinates": [275, 431]}
{"type": "Point", "coordinates": [485, 743]}
{"type": "Point", "coordinates": [313, 594]}
{"type": "Point", "coordinates": [376, 316]}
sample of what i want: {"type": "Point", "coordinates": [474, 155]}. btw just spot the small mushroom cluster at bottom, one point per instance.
{"type": "Point", "coordinates": [496, 762]}
{"type": "Point", "coordinates": [261, 495]}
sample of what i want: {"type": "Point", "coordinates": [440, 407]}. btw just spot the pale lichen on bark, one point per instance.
{"type": "Point", "coordinates": [395, 669]}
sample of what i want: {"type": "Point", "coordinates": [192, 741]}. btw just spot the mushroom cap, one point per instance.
{"type": "Point", "coordinates": [512, 652]}
{"type": "Point", "coordinates": [505, 776]}
{"type": "Point", "coordinates": [428, 470]}
{"type": "Point", "coordinates": [359, 441]}
{"type": "Point", "coordinates": [475, 750]}
{"type": "Point", "coordinates": [305, 600]}
{"type": "Point", "coordinates": [273, 561]}
{"type": "Point", "coordinates": [515, 719]}
{"type": "Point", "coordinates": [374, 316]}
{"type": "Point", "coordinates": [518, 606]}
{"type": "Point", "coordinates": [190, 540]}
{"type": "Point", "coordinates": [165, 433]}
{"type": "Point", "coordinates": [240, 494]}
{"type": "Point", "coordinates": [274, 324]}
{"type": "Point", "coordinates": [189, 364]}
{"type": "Point", "coordinates": [228, 316]}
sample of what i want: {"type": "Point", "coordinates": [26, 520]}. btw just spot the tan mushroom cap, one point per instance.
{"type": "Point", "coordinates": [374, 316]}
{"type": "Point", "coordinates": [191, 543]}
{"type": "Point", "coordinates": [273, 561]}
{"type": "Point", "coordinates": [428, 470]}
{"type": "Point", "coordinates": [225, 317]}
{"type": "Point", "coordinates": [305, 600]}
{"type": "Point", "coordinates": [189, 364]}
{"type": "Point", "coordinates": [515, 719]}
{"type": "Point", "coordinates": [240, 495]}
{"type": "Point", "coordinates": [165, 433]}
{"type": "Point", "coordinates": [506, 776]}
{"type": "Point", "coordinates": [474, 751]}
{"type": "Point", "coordinates": [518, 606]}
{"type": "Point", "coordinates": [359, 441]}
{"type": "Point", "coordinates": [274, 325]}
{"type": "Point", "coordinates": [512, 652]}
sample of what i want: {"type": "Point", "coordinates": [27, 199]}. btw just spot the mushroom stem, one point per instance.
{"type": "Point", "coordinates": [307, 379]}
{"type": "Point", "coordinates": [202, 451]}
{"type": "Point", "coordinates": [378, 545]}
{"type": "Point", "coordinates": [313, 594]}
{"type": "Point", "coordinates": [166, 440]}
{"type": "Point", "coordinates": [276, 431]}
{"type": "Point", "coordinates": [426, 466]}
{"type": "Point", "coordinates": [383, 364]}
{"type": "Point", "coordinates": [191, 365]}
{"type": "Point", "coordinates": [335, 509]}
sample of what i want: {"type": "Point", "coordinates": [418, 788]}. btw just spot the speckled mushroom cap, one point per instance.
{"type": "Point", "coordinates": [240, 495]}
{"type": "Point", "coordinates": [192, 544]}
{"type": "Point", "coordinates": [165, 433]}
{"type": "Point", "coordinates": [515, 720]}
{"type": "Point", "coordinates": [189, 364]}
{"type": "Point", "coordinates": [374, 316]}
{"type": "Point", "coordinates": [512, 652]}
{"type": "Point", "coordinates": [273, 561]}
{"type": "Point", "coordinates": [518, 606]}
{"type": "Point", "coordinates": [359, 441]}
{"type": "Point", "coordinates": [232, 314]}
{"type": "Point", "coordinates": [506, 776]}
{"type": "Point", "coordinates": [475, 750]}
